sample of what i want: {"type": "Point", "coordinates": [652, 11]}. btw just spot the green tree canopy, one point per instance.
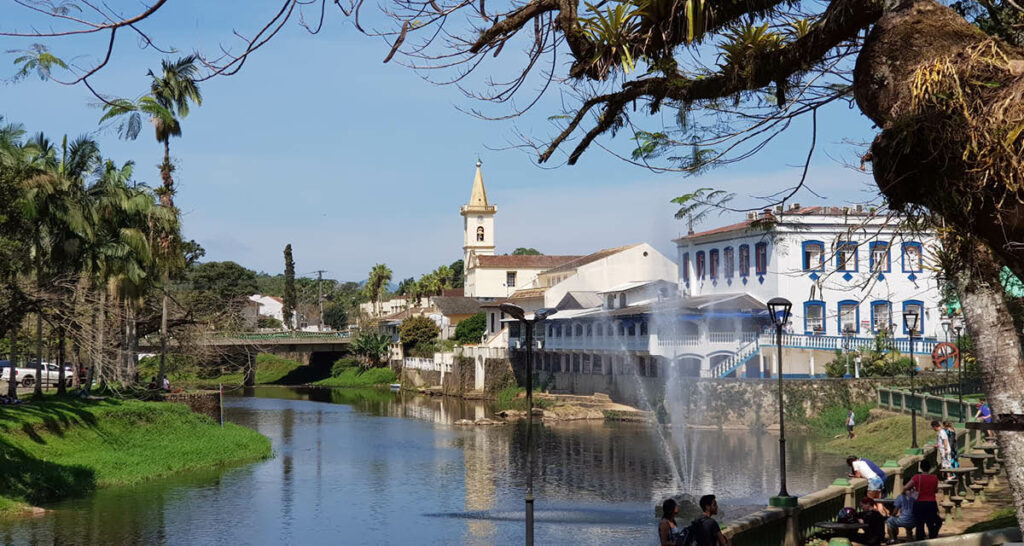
{"type": "Point", "coordinates": [336, 315]}
{"type": "Point", "coordinates": [225, 281]}
{"type": "Point", "coordinates": [417, 331]}
{"type": "Point", "coordinates": [472, 329]}
{"type": "Point", "coordinates": [526, 252]}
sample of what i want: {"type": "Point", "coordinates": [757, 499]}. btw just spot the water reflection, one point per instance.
{"type": "Point", "coordinates": [376, 467]}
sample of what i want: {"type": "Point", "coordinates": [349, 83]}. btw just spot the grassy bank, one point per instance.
{"type": "Point", "coordinates": [61, 448]}
{"type": "Point", "coordinates": [355, 376]}
{"type": "Point", "coordinates": [514, 398]}
{"type": "Point", "coordinates": [269, 369]}
{"type": "Point", "coordinates": [883, 439]}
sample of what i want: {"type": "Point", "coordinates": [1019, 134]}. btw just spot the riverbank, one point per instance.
{"type": "Point", "coordinates": [886, 436]}
{"type": "Point", "coordinates": [270, 369]}
{"type": "Point", "coordinates": [64, 448]}
{"type": "Point", "coordinates": [356, 376]}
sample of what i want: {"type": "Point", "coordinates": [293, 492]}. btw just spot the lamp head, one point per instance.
{"type": "Point", "coordinates": [513, 311]}
{"type": "Point", "coordinates": [779, 309]}
{"type": "Point", "coordinates": [541, 314]}
{"type": "Point", "coordinates": [910, 321]}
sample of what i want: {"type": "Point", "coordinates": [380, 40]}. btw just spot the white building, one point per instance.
{"type": "Point", "coordinates": [273, 307]}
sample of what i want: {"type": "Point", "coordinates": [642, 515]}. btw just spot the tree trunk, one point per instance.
{"type": "Point", "coordinates": [38, 390]}
{"type": "Point", "coordinates": [163, 340]}
{"type": "Point", "coordinates": [61, 389]}
{"type": "Point", "coordinates": [101, 327]}
{"type": "Point", "coordinates": [998, 350]}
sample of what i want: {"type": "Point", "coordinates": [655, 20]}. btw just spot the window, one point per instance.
{"type": "Point", "coordinates": [568, 330]}
{"type": "Point", "coordinates": [849, 316]}
{"type": "Point", "coordinates": [761, 258]}
{"type": "Point", "coordinates": [730, 262]}
{"type": "Point", "coordinates": [912, 262]}
{"type": "Point", "coordinates": [558, 330]}
{"type": "Point", "coordinates": [814, 317]}
{"type": "Point", "coordinates": [611, 301]}
{"type": "Point", "coordinates": [576, 363]}
{"type": "Point", "coordinates": [713, 267]}
{"type": "Point", "coordinates": [590, 330]}
{"type": "Point", "coordinates": [846, 257]}
{"type": "Point", "coordinates": [652, 371]}
{"type": "Point", "coordinates": [881, 315]}
{"type": "Point", "coordinates": [700, 265]}
{"type": "Point", "coordinates": [643, 328]}
{"type": "Point", "coordinates": [814, 256]}
{"type": "Point", "coordinates": [597, 365]}
{"type": "Point", "coordinates": [744, 260]}
{"type": "Point", "coordinates": [480, 233]}
{"type": "Point", "coordinates": [914, 306]}
{"type": "Point", "coordinates": [622, 299]}
{"type": "Point", "coordinates": [632, 329]}
{"type": "Point", "coordinates": [579, 330]}
{"type": "Point", "coordinates": [880, 257]}
{"type": "Point", "coordinates": [686, 267]}
{"type": "Point", "coordinates": [622, 329]}
{"type": "Point", "coordinates": [510, 278]}
{"type": "Point", "coordinates": [600, 330]}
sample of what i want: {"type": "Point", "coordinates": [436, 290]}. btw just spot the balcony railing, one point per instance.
{"type": "Point", "coordinates": [855, 343]}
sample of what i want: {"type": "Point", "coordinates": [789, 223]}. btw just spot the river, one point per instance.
{"type": "Point", "coordinates": [375, 467]}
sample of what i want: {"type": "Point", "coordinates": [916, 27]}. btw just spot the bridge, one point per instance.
{"type": "Point", "coordinates": [325, 345]}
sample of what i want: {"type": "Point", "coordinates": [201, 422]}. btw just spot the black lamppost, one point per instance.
{"type": "Point", "coordinates": [959, 327]}
{"type": "Point", "coordinates": [517, 313]}
{"type": "Point", "coordinates": [910, 323]}
{"type": "Point", "coordinates": [778, 309]}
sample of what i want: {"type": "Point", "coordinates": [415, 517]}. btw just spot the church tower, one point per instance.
{"type": "Point", "coordinates": [477, 222]}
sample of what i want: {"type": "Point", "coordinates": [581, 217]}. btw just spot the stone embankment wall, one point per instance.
{"type": "Point", "coordinates": [461, 380]}
{"type": "Point", "coordinates": [206, 402]}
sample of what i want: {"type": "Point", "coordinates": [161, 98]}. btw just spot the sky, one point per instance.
{"type": "Point", "coordinates": [318, 143]}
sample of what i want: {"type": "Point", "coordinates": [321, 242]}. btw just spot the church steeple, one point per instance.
{"type": "Point", "coordinates": [478, 221]}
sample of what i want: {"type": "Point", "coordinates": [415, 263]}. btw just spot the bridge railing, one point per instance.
{"type": "Point", "coordinates": [282, 335]}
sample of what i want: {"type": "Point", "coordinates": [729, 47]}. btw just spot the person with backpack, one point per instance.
{"type": "Point", "coordinates": [705, 529]}
{"type": "Point", "coordinates": [867, 469]}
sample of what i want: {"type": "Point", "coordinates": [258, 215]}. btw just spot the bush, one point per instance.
{"type": "Point", "coordinates": [509, 399]}
{"type": "Point", "coordinates": [417, 330]}
{"type": "Point", "coordinates": [353, 376]}
{"type": "Point", "coordinates": [269, 322]}
{"type": "Point", "coordinates": [471, 329]}
{"type": "Point", "coordinates": [343, 364]}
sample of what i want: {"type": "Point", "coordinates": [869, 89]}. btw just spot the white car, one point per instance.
{"type": "Point", "coordinates": [26, 377]}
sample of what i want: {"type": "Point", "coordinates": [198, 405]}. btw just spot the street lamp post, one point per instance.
{"type": "Point", "coordinates": [960, 370]}
{"type": "Point", "coordinates": [847, 339]}
{"type": "Point", "coordinates": [517, 313]}
{"type": "Point", "coordinates": [778, 309]}
{"type": "Point", "coordinates": [910, 319]}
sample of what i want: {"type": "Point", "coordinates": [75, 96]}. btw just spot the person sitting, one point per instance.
{"type": "Point", "coordinates": [152, 385]}
{"type": "Point", "coordinates": [902, 516]}
{"type": "Point", "coordinates": [875, 532]}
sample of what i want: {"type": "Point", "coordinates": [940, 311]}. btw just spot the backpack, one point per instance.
{"type": "Point", "coordinates": [688, 535]}
{"type": "Point", "coordinates": [874, 468]}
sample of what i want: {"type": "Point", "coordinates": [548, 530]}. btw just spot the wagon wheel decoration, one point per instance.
{"type": "Point", "coordinates": [946, 355]}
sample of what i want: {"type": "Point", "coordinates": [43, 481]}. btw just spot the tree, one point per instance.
{"type": "Point", "coordinates": [289, 288]}
{"type": "Point", "coordinates": [526, 252]}
{"type": "Point", "coordinates": [377, 285]}
{"type": "Point", "coordinates": [416, 331]}
{"type": "Point", "coordinates": [166, 104]}
{"type": "Point", "coordinates": [374, 346]}
{"type": "Point", "coordinates": [457, 274]}
{"type": "Point", "coordinates": [404, 287]}
{"type": "Point", "coordinates": [471, 330]}
{"type": "Point", "coordinates": [224, 281]}
{"type": "Point", "coordinates": [336, 316]}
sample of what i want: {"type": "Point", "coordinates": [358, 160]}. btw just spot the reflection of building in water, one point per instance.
{"type": "Point", "coordinates": [477, 448]}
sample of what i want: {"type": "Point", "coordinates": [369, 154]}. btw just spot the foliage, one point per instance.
{"type": "Point", "coordinates": [831, 420]}
{"type": "Point", "coordinates": [269, 323]}
{"type": "Point", "coordinates": [374, 346]}
{"type": "Point", "coordinates": [514, 398]}
{"type": "Point", "coordinates": [62, 448]}
{"type": "Point", "coordinates": [344, 374]}
{"type": "Point", "coordinates": [289, 288]}
{"type": "Point", "coordinates": [377, 283]}
{"type": "Point", "coordinates": [521, 251]}
{"type": "Point", "coordinates": [471, 330]}
{"type": "Point", "coordinates": [417, 330]}
{"type": "Point", "coordinates": [223, 281]}
{"type": "Point", "coordinates": [335, 316]}
{"type": "Point", "coordinates": [458, 274]}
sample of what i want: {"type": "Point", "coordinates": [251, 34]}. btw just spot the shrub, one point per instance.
{"type": "Point", "coordinates": [354, 376]}
{"type": "Point", "coordinates": [269, 322]}
{"type": "Point", "coordinates": [416, 330]}
{"type": "Point", "coordinates": [343, 364]}
{"type": "Point", "coordinates": [471, 329]}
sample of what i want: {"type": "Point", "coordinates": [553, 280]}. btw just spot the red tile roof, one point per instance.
{"type": "Point", "coordinates": [538, 261]}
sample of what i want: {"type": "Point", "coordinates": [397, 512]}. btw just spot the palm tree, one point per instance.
{"type": "Point", "coordinates": [377, 284]}
{"type": "Point", "coordinates": [445, 276]}
{"type": "Point", "coordinates": [166, 104]}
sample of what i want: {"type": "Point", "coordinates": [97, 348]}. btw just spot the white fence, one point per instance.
{"type": "Point", "coordinates": [428, 364]}
{"type": "Point", "coordinates": [837, 342]}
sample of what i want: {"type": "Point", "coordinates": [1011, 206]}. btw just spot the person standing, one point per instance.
{"type": "Point", "coordinates": [926, 509]}
{"type": "Point", "coordinates": [707, 531]}
{"type": "Point", "coordinates": [943, 452]}
{"type": "Point", "coordinates": [850, 421]}
{"type": "Point", "coordinates": [985, 416]}
{"type": "Point", "coordinates": [953, 447]}
{"type": "Point", "coordinates": [668, 531]}
{"type": "Point", "coordinates": [864, 468]}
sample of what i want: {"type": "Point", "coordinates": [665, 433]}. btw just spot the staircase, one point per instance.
{"type": "Point", "coordinates": [731, 364]}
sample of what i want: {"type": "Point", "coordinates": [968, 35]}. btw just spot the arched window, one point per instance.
{"type": "Point", "coordinates": [730, 262]}
{"type": "Point", "coordinates": [579, 330]}
{"type": "Point", "coordinates": [713, 259]}
{"type": "Point", "coordinates": [744, 260]}
{"type": "Point", "coordinates": [480, 234]}
{"type": "Point", "coordinates": [700, 265]}
{"type": "Point", "coordinates": [686, 267]}
{"type": "Point", "coordinates": [914, 306]}
{"type": "Point", "coordinates": [761, 258]}
{"type": "Point", "coordinates": [814, 256]}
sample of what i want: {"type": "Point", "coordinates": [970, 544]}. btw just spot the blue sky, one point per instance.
{"type": "Point", "coordinates": [319, 144]}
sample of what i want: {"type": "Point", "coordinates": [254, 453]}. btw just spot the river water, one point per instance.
{"type": "Point", "coordinates": [374, 467]}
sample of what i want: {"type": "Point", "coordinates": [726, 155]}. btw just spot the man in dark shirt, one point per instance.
{"type": "Point", "coordinates": [869, 514]}
{"type": "Point", "coordinates": [707, 530]}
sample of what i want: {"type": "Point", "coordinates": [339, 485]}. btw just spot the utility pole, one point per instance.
{"type": "Point", "coordinates": [320, 298]}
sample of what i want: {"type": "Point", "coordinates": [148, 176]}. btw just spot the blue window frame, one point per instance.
{"type": "Point", "coordinates": [913, 305]}
{"type": "Point", "coordinates": [713, 265]}
{"type": "Point", "coordinates": [813, 256]}
{"type": "Point", "coordinates": [913, 257]}
{"type": "Point", "coordinates": [881, 315]}
{"type": "Point", "coordinates": [686, 267]}
{"type": "Point", "coordinates": [848, 316]}
{"type": "Point", "coordinates": [880, 261]}
{"type": "Point", "coordinates": [761, 258]}
{"type": "Point", "coordinates": [814, 317]}
{"type": "Point", "coordinates": [744, 260]}
{"type": "Point", "coordinates": [699, 262]}
{"type": "Point", "coordinates": [729, 257]}
{"type": "Point", "coordinates": [846, 256]}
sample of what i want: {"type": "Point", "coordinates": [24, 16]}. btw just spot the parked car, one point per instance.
{"type": "Point", "coordinates": [26, 377]}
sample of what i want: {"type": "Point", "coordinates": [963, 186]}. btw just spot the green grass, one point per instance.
{"type": "Point", "coordinates": [832, 420]}
{"type": "Point", "coordinates": [355, 376]}
{"type": "Point", "coordinates": [59, 448]}
{"type": "Point", "coordinates": [270, 369]}
{"type": "Point", "coordinates": [1001, 519]}
{"type": "Point", "coordinates": [509, 399]}
{"type": "Point", "coordinates": [883, 439]}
